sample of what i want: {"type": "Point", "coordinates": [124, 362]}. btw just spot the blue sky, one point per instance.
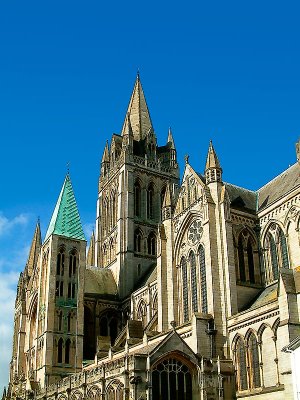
{"type": "Point", "coordinates": [226, 71]}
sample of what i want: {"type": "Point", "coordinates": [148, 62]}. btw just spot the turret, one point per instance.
{"type": "Point", "coordinates": [172, 148]}
{"type": "Point", "coordinates": [213, 170]}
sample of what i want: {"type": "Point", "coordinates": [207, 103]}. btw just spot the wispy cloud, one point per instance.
{"type": "Point", "coordinates": [13, 256]}
{"type": "Point", "coordinates": [88, 230]}
{"type": "Point", "coordinates": [6, 224]}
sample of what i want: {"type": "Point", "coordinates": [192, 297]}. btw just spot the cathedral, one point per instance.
{"type": "Point", "coordinates": [189, 289]}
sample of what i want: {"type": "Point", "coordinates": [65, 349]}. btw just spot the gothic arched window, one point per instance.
{"type": "Point", "coordinates": [60, 319]}
{"type": "Point", "coordinates": [171, 379]}
{"type": "Point", "coordinates": [138, 241]}
{"type": "Point", "coordinates": [253, 358]}
{"type": "Point", "coordinates": [137, 199]}
{"type": "Point", "coordinates": [151, 244]}
{"type": "Point", "coordinates": [250, 262]}
{"type": "Point", "coordinates": [150, 200]}
{"type": "Point", "coordinates": [203, 285]}
{"type": "Point", "coordinates": [241, 366]}
{"type": "Point", "coordinates": [185, 295]}
{"type": "Point", "coordinates": [60, 350]}
{"type": "Point", "coordinates": [192, 261]}
{"type": "Point", "coordinates": [241, 260]}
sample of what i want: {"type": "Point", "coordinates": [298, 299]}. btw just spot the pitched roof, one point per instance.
{"type": "Point", "coordinates": [138, 113]}
{"type": "Point", "coordinates": [241, 198]}
{"type": "Point", "coordinates": [65, 220]}
{"type": "Point", "coordinates": [279, 186]}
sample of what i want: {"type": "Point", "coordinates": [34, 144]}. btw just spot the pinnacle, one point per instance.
{"type": "Point", "coordinates": [34, 249]}
{"type": "Point", "coordinates": [105, 157]}
{"type": "Point", "coordinates": [212, 160]}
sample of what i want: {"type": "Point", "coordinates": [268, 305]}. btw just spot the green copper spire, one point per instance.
{"type": "Point", "coordinates": [65, 220]}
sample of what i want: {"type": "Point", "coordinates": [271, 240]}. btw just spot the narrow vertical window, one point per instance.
{"type": "Point", "coordinates": [283, 250]}
{"type": "Point", "coordinates": [60, 263]}
{"type": "Point", "coordinates": [150, 198]}
{"type": "Point", "coordinates": [60, 319]}
{"type": "Point", "coordinates": [254, 361]}
{"type": "Point", "coordinates": [250, 262]}
{"type": "Point", "coordinates": [69, 322]}
{"type": "Point", "coordinates": [151, 242]}
{"type": "Point", "coordinates": [241, 365]}
{"type": "Point", "coordinates": [273, 253]}
{"type": "Point", "coordinates": [137, 199]}
{"type": "Point", "coordinates": [72, 263]}
{"type": "Point", "coordinates": [185, 297]}
{"type": "Point", "coordinates": [138, 241]}
{"type": "Point", "coordinates": [192, 260]}
{"type": "Point", "coordinates": [203, 285]}
{"type": "Point", "coordinates": [241, 260]}
{"type": "Point", "coordinates": [59, 350]}
{"type": "Point", "coordinates": [67, 351]}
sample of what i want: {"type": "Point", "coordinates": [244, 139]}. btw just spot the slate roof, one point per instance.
{"type": "Point", "coordinates": [241, 198]}
{"type": "Point", "coordinates": [268, 295]}
{"type": "Point", "coordinates": [100, 281]}
{"type": "Point", "coordinates": [279, 186]}
{"type": "Point", "coordinates": [65, 220]}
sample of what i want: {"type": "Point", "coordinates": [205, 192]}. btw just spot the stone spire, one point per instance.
{"type": "Point", "coordinates": [90, 261]}
{"type": "Point", "coordinates": [213, 170]}
{"type": "Point", "coordinates": [171, 139]}
{"type": "Point", "coordinates": [65, 220]}
{"type": "Point", "coordinates": [34, 249]}
{"type": "Point", "coordinates": [138, 113]}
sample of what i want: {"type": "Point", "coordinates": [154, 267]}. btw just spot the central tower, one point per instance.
{"type": "Point", "coordinates": [133, 179]}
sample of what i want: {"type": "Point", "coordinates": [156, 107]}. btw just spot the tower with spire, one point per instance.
{"type": "Point", "coordinates": [134, 174]}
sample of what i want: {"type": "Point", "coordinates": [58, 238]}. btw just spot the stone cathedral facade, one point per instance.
{"type": "Point", "coordinates": [188, 289]}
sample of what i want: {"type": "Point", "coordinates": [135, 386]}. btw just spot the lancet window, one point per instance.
{"type": "Point", "coordinates": [151, 244]}
{"type": "Point", "coordinates": [276, 252]}
{"type": "Point", "coordinates": [138, 236]}
{"type": "Point", "coordinates": [137, 199]}
{"type": "Point", "coordinates": [185, 294]}
{"type": "Point", "coordinates": [60, 350]}
{"type": "Point", "coordinates": [192, 262]}
{"type": "Point", "coordinates": [203, 284]}
{"type": "Point", "coordinates": [150, 201]}
{"type": "Point", "coordinates": [241, 365]}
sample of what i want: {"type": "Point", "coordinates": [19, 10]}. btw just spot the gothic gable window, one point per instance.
{"type": "Point", "coordinates": [171, 379]}
{"type": "Point", "coordinates": [115, 391]}
{"type": "Point", "coordinates": [203, 285]}
{"type": "Point", "coordinates": [137, 199]}
{"type": "Point", "coordinates": [192, 262]}
{"type": "Point", "coordinates": [185, 295]}
{"type": "Point", "coordinates": [151, 244]}
{"type": "Point", "coordinates": [138, 241]}
{"type": "Point", "coordinates": [150, 200]}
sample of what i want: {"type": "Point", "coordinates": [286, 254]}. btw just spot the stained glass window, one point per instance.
{"type": "Point", "coordinates": [283, 248]}
{"type": "Point", "coordinates": [250, 262]}
{"type": "Point", "coordinates": [273, 253]}
{"type": "Point", "coordinates": [254, 361]}
{"type": "Point", "coordinates": [241, 365]}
